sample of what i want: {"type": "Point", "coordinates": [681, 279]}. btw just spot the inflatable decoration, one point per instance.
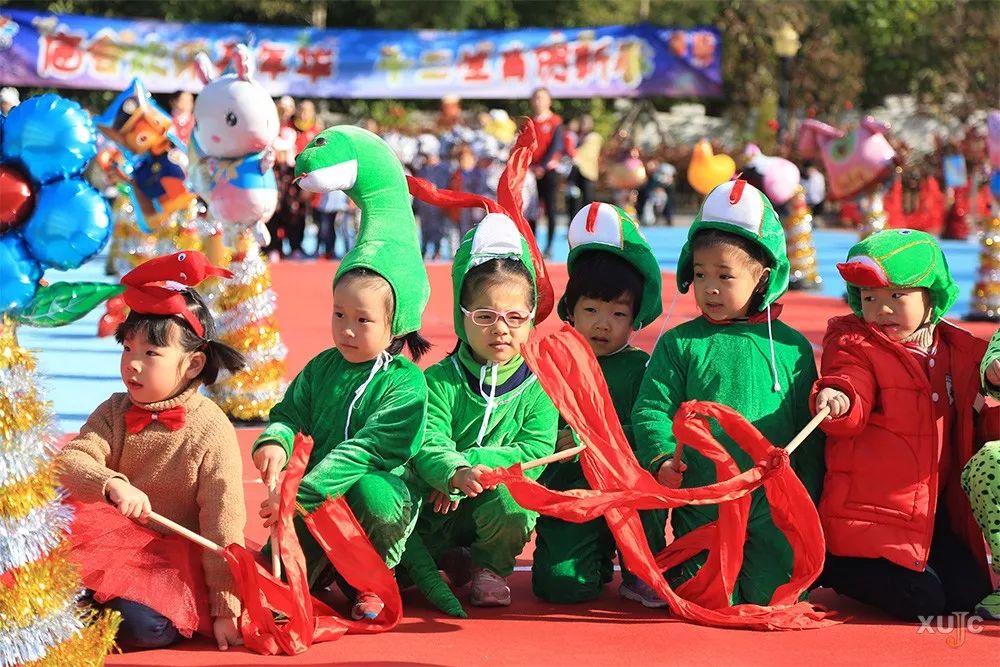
{"type": "Point", "coordinates": [157, 162]}
{"type": "Point", "coordinates": [231, 156]}
{"type": "Point", "coordinates": [854, 161]}
{"type": "Point", "coordinates": [708, 170]}
{"type": "Point", "coordinates": [777, 177]}
{"type": "Point", "coordinates": [628, 174]}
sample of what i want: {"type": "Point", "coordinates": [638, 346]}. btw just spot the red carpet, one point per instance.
{"type": "Point", "coordinates": [606, 632]}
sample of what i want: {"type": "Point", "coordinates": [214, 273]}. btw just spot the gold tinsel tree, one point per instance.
{"type": "Point", "coordinates": [986, 292]}
{"type": "Point", "coordinates": [41, 620]}
{"type": "Point", "coordinates": [244, 308]}
{"type": "Point", "coordinates": [801, 250]}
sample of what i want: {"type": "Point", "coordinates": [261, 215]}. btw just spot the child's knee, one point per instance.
{"type": "Point", "coordinates": [142, 627]}
{"type": "Point", "coordinates": [379, 499]}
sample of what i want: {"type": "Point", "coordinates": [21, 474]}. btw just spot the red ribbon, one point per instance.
{"type": "Point", "coordinates": [309, 620]}
{"type": "Point", "coordinates": [570, 375]}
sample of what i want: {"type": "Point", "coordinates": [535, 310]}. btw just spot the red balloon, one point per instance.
{"type": "Point", "coordinates": [16, 198]}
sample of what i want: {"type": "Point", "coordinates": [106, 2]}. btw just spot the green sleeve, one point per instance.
{"type": "Point", "coordinates": [292, 415]}
{"type": "Point", "coordinates": [661, 392]}
{"type": "Point", "coordinates": [534, 439]}
{"type": "Point", "coordinates": [389, 438]}
{"type": "Point", "coordinates": [808, 461]}
{"type": "Point", "coordinates": [992, 354]}
{"type": "Point", "coordinates": [438, 458]}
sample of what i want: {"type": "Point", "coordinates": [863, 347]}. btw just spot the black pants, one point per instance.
{"type": "Point", "coordinates": [953, 580]}
{"type": "Point", "coordinates": [548, 190]}
{"type": "Point", "coordinates": [326, 221]}
{"type": "Point", "coordinates": [577, 201]}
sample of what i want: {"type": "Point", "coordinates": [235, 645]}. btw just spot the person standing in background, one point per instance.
{"type": "Point", "coordinates": [814, 184]}
{"type": "Point", "coordinates": [284, 173]}
{"type": "Point", "coordinates": [585, 171]}
{"type": "Point", "coordinates": [432, 218]}
{"type": "Point", "coordinates": [182, 114]}
{"type": "Point", "coordinates": [306, 129]}
{"type": "Point", "coordinates": [549, 129]}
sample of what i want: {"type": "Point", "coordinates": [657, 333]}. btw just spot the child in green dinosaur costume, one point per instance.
{"type": "Point", "coordinates": [363, 403]}
{"type": "Point", "coordinates": [736, 353]}
{"type": "Point", "coordinates": [614, 289]}
{"type": "Point", "coordinates": [485, 409]}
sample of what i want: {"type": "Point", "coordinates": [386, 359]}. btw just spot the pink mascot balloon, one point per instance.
{"type": "Point", "coordinates": [235, 124]}
{"type": "Point", "coordinates": [854, 162]}
{"type": "Point", "coordinates": [780, 177]}
{"type": "Point", "coordinates": [993, 137]}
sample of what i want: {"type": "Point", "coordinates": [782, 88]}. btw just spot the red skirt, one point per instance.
{"type": "Point", "coordinates": [119, 558]}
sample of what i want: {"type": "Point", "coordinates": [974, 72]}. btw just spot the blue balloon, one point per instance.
{"type": "Point", "coordinates": [70, 224]}
{"type": "Point", "coordinates": [19, 274]}
{"type": "Point", "coordinates": [51, 136]}
{"type": "Point", "coordinates": [995, 183]}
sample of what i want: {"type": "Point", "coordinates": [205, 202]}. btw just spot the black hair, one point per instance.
{"type": "Point", "coordinates": [713, 238]}
{"type": "Point", "coordinates": [493, 272]}
{"type": "Point", "coordinates": [156, 329]}
{"type": "Point", "coordinates": [601, 275]}
{"type": "Point", "coordinates": [417, 345]}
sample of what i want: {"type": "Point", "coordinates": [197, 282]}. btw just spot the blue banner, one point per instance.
{"type": "Point", "coordinates": [51, 50]}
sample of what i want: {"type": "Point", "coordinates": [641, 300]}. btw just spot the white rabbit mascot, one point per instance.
{"type": "Point", "coordinates": [231, 155]}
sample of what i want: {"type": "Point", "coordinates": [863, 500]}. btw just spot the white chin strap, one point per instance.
{"type": "Point", "coordinates": [381, 361]}
{"type": "Point", "coordinates": [770, 339]}
{"type": "Point", "coordinates": [490, 398]}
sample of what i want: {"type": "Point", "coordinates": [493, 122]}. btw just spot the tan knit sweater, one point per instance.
{"type": "Point", "coordinates": [193, 476]}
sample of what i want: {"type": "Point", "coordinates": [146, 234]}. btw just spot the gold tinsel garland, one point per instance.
{"type": "Point", "coordinates": [985, 304]}
{"type": "Point", "coordinates": [875, 218]}
{"type": "Point", "coordinates": [38, 610]}
{"type": "Point", "coordinates": [244, 314]}
{"type": "Point", "coordinates": [799, 245]}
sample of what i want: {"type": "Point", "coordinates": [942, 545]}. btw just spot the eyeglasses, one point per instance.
{"type": "Point", "coordinates": [487, 317]}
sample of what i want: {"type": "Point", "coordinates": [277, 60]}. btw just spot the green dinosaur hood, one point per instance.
{"type": "Point", "coordinates": [608, 228]}
{"type": "Point", "coordinates": [739, 208]}
{"type": "Point", "coordinates": [899, 258]}
{"type": "Point", "coordinates": [496, 236]}
{"type": "Point", "coordinates": [358, 162]}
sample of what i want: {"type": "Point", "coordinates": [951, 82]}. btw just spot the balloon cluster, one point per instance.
{"type": "Point", "coordinates": [49, 215]}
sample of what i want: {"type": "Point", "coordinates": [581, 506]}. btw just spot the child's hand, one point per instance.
{"type": "Point", "coordinates": [670, 477]}
{"type": "Point", "coordinates": [269, 510]}
{"type": "Point", "coordinates": [837, 401]}
{"type": "Point", "coordinates": [993, 373]}
{"type": "Point", "coordinates": [441, 503]}
{"type": "Point", "coordinates": [466, 480]}
{"type": "Point", "coordinates": [226, 633]}
{"type": "Point", "coordinates": [565, 440]}
{"type": "Point", "coordinates": [130, 501]}
{"type": "Point", "coordinates": [269, 460]}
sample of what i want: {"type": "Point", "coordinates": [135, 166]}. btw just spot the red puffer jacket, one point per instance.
{"type": "Point", "coordinates": [881, 488]}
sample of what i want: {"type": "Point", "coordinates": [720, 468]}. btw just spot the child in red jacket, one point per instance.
{"type": "Point", "coordinates": [903, 390]}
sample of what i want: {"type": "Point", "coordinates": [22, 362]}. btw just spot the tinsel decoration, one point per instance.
{"type": "Point", "coordinates": [41, 619]}
{"type": "Point", "coordinates": [985, 306]}
{"type": "Point", "coordinates": [873, 210]}
{"type": "Point", "coordinates": [798, 225]}
{"type": "Point", "coordinates": [244, 308]}
{"type": "Point", "coordinates": [130, 246]}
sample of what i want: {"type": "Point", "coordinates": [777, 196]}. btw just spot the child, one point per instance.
{"type": "Point", "coordinates": [162, 446]}
{"type": "Point", "coordinates": [902, 387]}
{"type": "Point", "coordinates": [432, 218]}
{"type": "Point", "coordinates": [363, 403]}
{"type": "Point", "coordinates": [981, 481]}
{"type": "Point", "coordinates": [485, 408]}
{"type": "Point", "coordinates": [737, 354]}
{"type": "Point", "coordinates": [613, 290]}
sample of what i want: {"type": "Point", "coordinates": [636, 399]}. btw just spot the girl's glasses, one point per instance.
{"type": "Point", "coordinates": [487, 317]}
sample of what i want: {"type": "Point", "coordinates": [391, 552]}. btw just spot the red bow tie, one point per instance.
{"type": "Point", "coordinates": [137, 419]}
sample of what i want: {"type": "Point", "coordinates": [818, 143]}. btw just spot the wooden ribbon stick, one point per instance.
{"type": "Point", "coordinates": [275, 556]}
{"type": "Point", "coordinates": [553, 458]}
{"type": "Point", "coordinates": [809, 428]}
{"type": "Point", "coordinates": [184, 532]}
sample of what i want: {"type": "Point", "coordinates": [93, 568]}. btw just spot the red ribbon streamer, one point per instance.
{"type": "Point", "coordinates": [570, 375]}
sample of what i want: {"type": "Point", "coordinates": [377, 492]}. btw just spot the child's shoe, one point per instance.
{"type": "Point", "coordinates": [367, 606]}
{"type": "Point", "coordinates": [489, 589]}
{"type": "Point", "coordinates": [641, 592]}
{"type": "Point", "coordinates": [989, 608]}
{"type": "Point", "coordinates": [457, 564]}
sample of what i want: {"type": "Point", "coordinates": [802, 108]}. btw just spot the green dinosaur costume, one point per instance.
{"type": "Point", "coordinates": [366, 419]}
{"type": "Point", "coordinates": [732, 363]}
{"type": "Point", "coordinates": [573, 561]}
{"type": "Point", "coordinates": [482, 414]}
